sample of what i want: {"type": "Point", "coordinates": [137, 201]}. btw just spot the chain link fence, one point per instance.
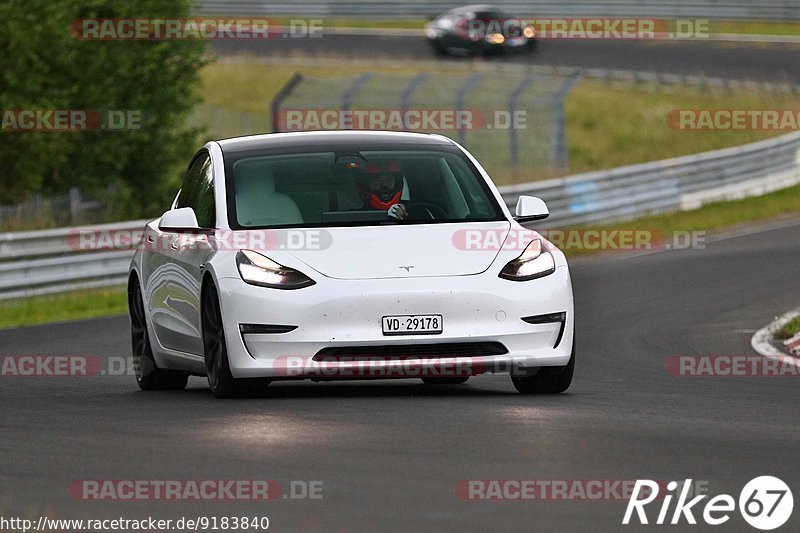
{"type": "Point", "coordinates": [55, 211]}
{"type": "Point", "coordinates": [512, 122]}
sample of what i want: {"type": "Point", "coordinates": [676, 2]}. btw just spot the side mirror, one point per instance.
{"type": "Point", "coordinates": [179, 220]}
{"type": "Point", "coordinates": [531, 208]}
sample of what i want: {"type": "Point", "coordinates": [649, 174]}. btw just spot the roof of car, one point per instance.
{"type": "Point", "coordinates": [330, 138]}
{"type": "Point", "coordinates": [475, 8]}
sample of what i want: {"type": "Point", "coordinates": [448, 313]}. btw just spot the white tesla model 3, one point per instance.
{"type": "Point", "coordinates": [347, 255]}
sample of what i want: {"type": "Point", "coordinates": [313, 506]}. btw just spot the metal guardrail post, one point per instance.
{"type": "Point", "coordinates": [350, 93]}
{"type": "Point", "coordinates": [512, 104]}
{"type": "Point", "coordinates": [460, 97]}
{"type": "Point", "coordinates": [408, 91]}
{"type": "Point", "coordinates": [74, 204]}
{"type": "Point", "coordinates": [558, 151]}
{"type": "Point", "coordinates": [283, 93]}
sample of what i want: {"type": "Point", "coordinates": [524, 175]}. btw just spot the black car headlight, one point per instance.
{"type": "Point", "coordinates": [257, 269]}
{"type": "Point", "coordinates": [534, 262]}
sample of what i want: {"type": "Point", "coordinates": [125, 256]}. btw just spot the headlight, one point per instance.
{"type": "Point", "coordinates": [256, 269]}
{"type": "Point", "coordinates": [496, 38]}
{"type": "Point", "coordinates": [531, 264]}
{"type": "Point", "coordinates": [528, 32]}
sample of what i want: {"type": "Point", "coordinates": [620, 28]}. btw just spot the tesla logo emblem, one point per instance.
{"type": "Point", "coordinates": [408, 268]}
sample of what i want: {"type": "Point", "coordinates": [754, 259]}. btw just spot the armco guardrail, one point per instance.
{"type": "Point", "coordinates": [674, 184]}
{"type": "Point", "coordinates": [54, 260]}
{"type": "Point", "coordinates": [673, 9]}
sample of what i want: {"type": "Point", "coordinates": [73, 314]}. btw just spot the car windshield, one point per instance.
{"type": "Point", "coordinates": [357, 187]}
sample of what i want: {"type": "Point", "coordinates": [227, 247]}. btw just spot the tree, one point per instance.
{"type": "Point", "coordinates": [44, 66]}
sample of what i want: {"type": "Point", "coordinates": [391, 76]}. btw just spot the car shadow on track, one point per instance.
{"type": "Point", "coordinates": [369, 389]}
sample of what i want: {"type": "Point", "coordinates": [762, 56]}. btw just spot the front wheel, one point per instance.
{"type": "Point", "coordinates": [220, 380]}
{"type": "Point", "coordinates": [548, 380]}
{"type": "Point", "coordinates": [148, 375]}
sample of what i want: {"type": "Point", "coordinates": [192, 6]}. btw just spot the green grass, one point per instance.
{"type": "Point", "coordinates": [755, 27]}
{"type": "Point", "coordinates": [76, 305]}
{"type": "Point", "coordinates": [609, 124]}
{"type": "Point", "coordinates": [616, 124]}
{"type": "Point", "coordinates": [789, 330]}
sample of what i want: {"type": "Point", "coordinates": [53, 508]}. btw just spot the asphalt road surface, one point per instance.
{"type": "Point", "coordinates": [389, 454]}
{"type": "Point", "coordinates": [758, 61]}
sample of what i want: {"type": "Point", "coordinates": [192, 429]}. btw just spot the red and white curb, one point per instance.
{"type": "Point", "coordinates": [761, 341]}
{"type": "Point", "coordinates": [793, 344]}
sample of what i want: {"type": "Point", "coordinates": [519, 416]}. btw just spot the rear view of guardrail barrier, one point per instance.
{"type": "Point", "coordinates": [706, 9]}
{"type": "Point", "coordinates": [54, 260]}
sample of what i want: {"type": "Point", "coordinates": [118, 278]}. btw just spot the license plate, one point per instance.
{"type": "Point", "coordinates": [412, 325]}
{"type": "Point", "coordinates": [517, 41]}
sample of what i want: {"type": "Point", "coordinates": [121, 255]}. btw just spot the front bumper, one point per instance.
{"type": "Point", "coordinates": [347, 313]}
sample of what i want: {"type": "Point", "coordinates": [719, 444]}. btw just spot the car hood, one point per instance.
{"type": "Point", "coordinates": [412, 251]}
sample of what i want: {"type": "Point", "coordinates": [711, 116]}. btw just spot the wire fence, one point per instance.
{"type": "Point", "coordinates": [40, 212]}
{"type": "Point", "coordinates": [510, 123]}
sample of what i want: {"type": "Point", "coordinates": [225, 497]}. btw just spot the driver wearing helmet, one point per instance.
{"type": "Point", "coordinates": [380, 185]}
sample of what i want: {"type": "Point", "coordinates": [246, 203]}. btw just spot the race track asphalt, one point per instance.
{"type": "Point", "coordinates": [772, 62]}
{"type": "Point", "coordinates": [389, 454]}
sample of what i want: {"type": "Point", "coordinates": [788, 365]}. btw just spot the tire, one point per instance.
{"type": "Point", "coordinates": [444, 381]}
{"type": "Point", "coordinates": [148, 375]}
{"type": "Point", "coordinates": [439, 50]}
{"type": "Point", "coordinates": [215, 350]}
{"type": "Point", "coordinates": [548, 380]}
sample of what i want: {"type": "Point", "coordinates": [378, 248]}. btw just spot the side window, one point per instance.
{"type": "Point", "coordinates": [197, 191]}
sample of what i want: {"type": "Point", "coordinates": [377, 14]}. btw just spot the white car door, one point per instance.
{"type": "Point", "coordinates": [175, 282]}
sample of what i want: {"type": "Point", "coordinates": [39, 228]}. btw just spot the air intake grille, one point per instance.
{"type": "Point", "coordinates": [410, 351]}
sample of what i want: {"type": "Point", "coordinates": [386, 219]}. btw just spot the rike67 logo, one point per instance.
{"type": "Point", "coordinates": [765, 503]}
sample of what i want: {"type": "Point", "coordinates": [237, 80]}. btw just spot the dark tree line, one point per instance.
{"type": "Point", "coordinates": [44, 66]}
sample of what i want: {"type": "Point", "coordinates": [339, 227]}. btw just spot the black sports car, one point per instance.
{"type": "Point", "coordinates": [478, 30]}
